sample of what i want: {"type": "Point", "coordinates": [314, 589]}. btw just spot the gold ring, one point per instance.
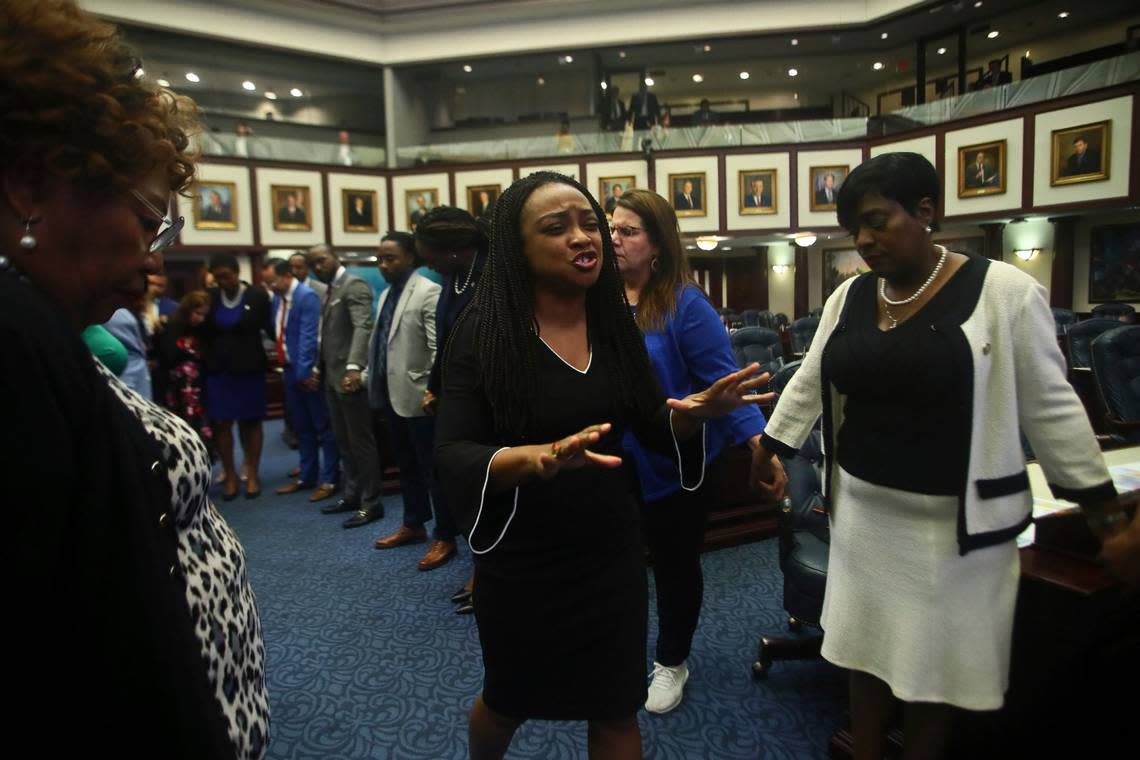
{"type": "Point", "coordinates": [554, 449]}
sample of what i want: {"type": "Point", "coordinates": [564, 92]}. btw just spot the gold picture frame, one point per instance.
{"type": "Point", "coordinates": [292, 208]}
{"type": "Point", "coordinates": [481, 199]}
{"type": "Point", "coordinates": [606, 187]}
{"type": "Point", "coordinates": [359, 210]}
{"type": "Point", "coordinates": [761, 199]}
{"type": "Point", "coordinates": [215, 205]}
{"type": "Point", "coordinates": [982, 169]}
{"type": "Point", "coordinates": [818, 185]}
{"type": "Point", "coordinates": [689, 193]}
{"type": "Point", "coordinates": [417, 203]}
{"type": "Point", "coordinates": [1070, 164]}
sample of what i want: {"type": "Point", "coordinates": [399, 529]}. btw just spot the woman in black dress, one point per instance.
{"type": "Point", "coordinates": [541, 377]}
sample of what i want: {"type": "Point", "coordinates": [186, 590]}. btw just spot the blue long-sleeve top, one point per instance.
{"type": "Point", "coordinates": [688, 355]}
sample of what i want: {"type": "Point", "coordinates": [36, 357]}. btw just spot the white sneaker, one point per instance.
{"type": "Point", "coordinates": [665, 687]}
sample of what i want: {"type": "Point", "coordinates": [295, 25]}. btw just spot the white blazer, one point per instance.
{"type": "Point", "coordinates": [411, 344]}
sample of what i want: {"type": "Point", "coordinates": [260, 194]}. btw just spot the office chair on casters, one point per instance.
{"type": "Point", "coordinates": [758, 344]}
{"type": "Point", "coordinates": [804, 543]}
{"type": "Point", "coordinates": [1080, 337]}
{"type": "Point", "coordinates": [803, 330]}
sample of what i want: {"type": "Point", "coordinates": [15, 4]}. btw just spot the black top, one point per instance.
{"type": "Point", "coordinates": [447, 311]}
{"type": "Point", "coordinates": [238, 349]}
{"type": "Point", "coordinates": [904, 399]}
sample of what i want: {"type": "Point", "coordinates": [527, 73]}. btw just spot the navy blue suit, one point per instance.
{"type": "Point", "coordinates": [307, 409]}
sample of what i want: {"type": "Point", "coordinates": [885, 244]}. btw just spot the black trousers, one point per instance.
{"type": "Point", "coordinates": [674, 528]}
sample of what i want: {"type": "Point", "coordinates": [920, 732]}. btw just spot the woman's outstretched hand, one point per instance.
{"type": "Point", "coordinates": [726, 395]}
{"type": "Point", "coordinates": [572, 452]}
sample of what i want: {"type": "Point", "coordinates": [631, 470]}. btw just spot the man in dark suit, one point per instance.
{"type": "Point", "coordinates": [291, 212]}
{"type": "Point", "coordinates": [979, 173]}
{"type": "Point", "coordinates": [613, 110]}
{"type": "Point", "coordinates": [644, 108]}
{"type": "Point", "coordinates": [827, 194]}
{"type": "Point", "coordinates": [346, 321]}
{"type": "Point", "coordinates": [994, 76]}
{"type": "Point", "coordinates": [216, 210]}
{"type": "Point", "coordinates": [612, 198]}
{"type": "Point", "coordinates": [420, 211]}
{"type": "Point", "coordinates": [705, 116]}
{"type": "Point", "coordinates": [360, 212]}
{"type": "Point", "coordinates": [1085, 160]}
{"type": "Point", "coordinates": [759, 197]}
{"type": "Point", "coordinates": [296, 313]}
{"type": "Point", "coordinates": [687, 197]}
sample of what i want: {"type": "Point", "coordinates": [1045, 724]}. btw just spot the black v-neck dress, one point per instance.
{"type": "Point", "coordinates": [560, 584]}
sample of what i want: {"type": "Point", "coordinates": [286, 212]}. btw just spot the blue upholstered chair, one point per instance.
{"type": "Point", "coordinates": [1116, 369]}
{"type": "Point", "coordinates": [803, 330]}
{"type": "Point", "coordinates": [1080, 337]}
{"type": "Point", "coordinates": [804, 540]}
{"type": "Point", "coordinates": [750, 317]}
{"type": "Point", "coordinates": [758, 344]}
{"type": "Point", "coordinates": [1063, 318]}
{"type": "Point", "coordinates": [1121, 312]}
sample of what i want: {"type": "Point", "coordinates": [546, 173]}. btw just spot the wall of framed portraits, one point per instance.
{"type": "Point", "coordinates": [607, 180]}
{"type": "Point", "coordinates": [983, 168]}
{"type": "Point", "coordinates": [358, 208]}
{"type": "Point", "coordinates": [819, 175]}
{"type": "Point", "coordinates": [290, 206]}
{"type": "Point", "coordinates": [218, 210]}
{"type": "Point", "coordinates": [1079, 156]}
{"type": "Point", "coordinates": [758, 191]}
{"type": "Point", "coordinates": [478, 191]}
{"type": "Point", "coordinates": [413, 195]}
{"type": "Point", "coordinates": [692, 187]}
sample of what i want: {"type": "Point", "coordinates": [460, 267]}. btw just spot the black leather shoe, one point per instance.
{"type": "Point", "coordinates": [467, 608]}
{"type": "Point", "coordinates": [462, 595]}
{"type": "Point", "coordinates": [363, 517]}
{"type": "Point", "coordinates": [340, 506]}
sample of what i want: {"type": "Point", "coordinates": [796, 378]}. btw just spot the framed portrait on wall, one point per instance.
{"type": "Point", "coordinates": [688, 194]}
{"type": "Point", "coordinates": [757, 191]}
{"type": "Point", "coordinates": [481, 199]}
{"type": "Point", "coordinates": [1114, 263]}
{"type": "Point", "coordinates": [417, 203]}
{"type": "Point", "coordinates": [981, 169]}
{"type": "Point", "coordinates": [840, 264]}
{"type": "Point", "coordinates": [611, 188]}
{"type": "Point", "coordinates": [359, 210]}
{"type": "Point", "coordinates": [825, 182]}
{"type": "Point", "coordinates": [215, 207]}
{"type": "Point", "coordinates": [291, 207]}
{"type": "Point", "coordinates": [1080, 154]}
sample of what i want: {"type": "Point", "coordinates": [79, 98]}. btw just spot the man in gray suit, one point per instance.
{"type": "Point", "coordinates": [345, 322]}
{"type": "Point", "coordinates": [401, 355]}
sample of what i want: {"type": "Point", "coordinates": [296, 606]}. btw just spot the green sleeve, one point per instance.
{"type": "Point", "coordinates": [106, 348]}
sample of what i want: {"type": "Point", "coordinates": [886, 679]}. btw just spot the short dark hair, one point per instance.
{"type": "Point", "coordinates": [280, 267]}
{"type": "Point", "coordinates": [1081, 138]}
{"type": "Point", "coordinates": [406, 241]}
{"type": "Point", "coordinates": [224, 260]}
{"type": "Point", "coordinates": [905, 178]}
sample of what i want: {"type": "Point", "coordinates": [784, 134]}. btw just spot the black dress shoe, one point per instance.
{"type": "Point", "coordinates": [462, 595]}
{"type": "Point", "coordinates": [467, 608]}
{"type": "Point", "coordinates": [340, 506]}
{"type": "Point", "coordinates": [363, 517]}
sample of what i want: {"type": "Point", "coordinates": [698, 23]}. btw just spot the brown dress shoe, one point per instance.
{"type": "Point", "coordinates": [295, 472]}
{"type": "Point", "coordinates": [293, 487]}
{"type": "Point", "coordinates": [324, 490]}
{"type": "Point", "coordinates": [403, 535]}
{"type": "Point", "coordinates": [437, 554]}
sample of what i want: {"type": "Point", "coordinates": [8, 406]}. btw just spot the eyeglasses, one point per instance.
{"type": "Point", "coordinates": [626, 231]}
{"type": "Point", "coordinates": [170, 229]}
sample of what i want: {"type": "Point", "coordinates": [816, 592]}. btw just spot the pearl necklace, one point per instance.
{"type": "Point", "coordinates": [470, 274]}
{"type": "Point", "coordinates": [887, 303]}
{"type": "Point", "coordinates": [237, 299]}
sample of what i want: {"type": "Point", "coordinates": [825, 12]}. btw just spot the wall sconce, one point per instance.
{"type": "Point", "coordinates": [1027, 254]}
{"type": "Point", "coordinates": [709, 242]}
{"type": "Point", "coordinates": [780, 268]}
{"type": "Point", "coordinates": [805, 239]}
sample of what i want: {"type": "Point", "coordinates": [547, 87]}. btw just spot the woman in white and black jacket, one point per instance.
{"type": "Point", "coordinates": [924, 370]}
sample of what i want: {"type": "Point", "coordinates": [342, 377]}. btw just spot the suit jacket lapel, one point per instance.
{"type": "Point", "coordinates": [402, 304]}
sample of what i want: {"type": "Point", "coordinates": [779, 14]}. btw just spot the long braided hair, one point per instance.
{"type": "Point", "coordinates": [505, 323]}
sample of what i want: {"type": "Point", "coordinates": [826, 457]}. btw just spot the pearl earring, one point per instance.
{"type": "Point", "coordinates": [28, 241]}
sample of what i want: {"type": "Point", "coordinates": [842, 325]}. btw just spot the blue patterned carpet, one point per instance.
{"type": "Point", "coordinates": [366, 658]}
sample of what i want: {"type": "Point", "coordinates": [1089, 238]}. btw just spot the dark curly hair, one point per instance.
{"type": "Point", "coordinates": [446, 228]}
{"type": "Point", "coordinates": [72, 105]}
{"type": "Point", "coordinates": [504, 308]}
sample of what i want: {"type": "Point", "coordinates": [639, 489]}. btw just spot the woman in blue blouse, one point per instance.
{"type": "Point", "coordinates": [689, 349]}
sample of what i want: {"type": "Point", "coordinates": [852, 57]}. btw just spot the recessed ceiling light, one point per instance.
{"type": "Point", "coordinates": [192, 77]}
{"type": "Point", "coordinates": [248, 85]}
{"type": "Point", "coordinates": [605, 85]}
{"type": "Point", "coordinates": [795, 41]}
{"type": "Point", "coordinates": [649, 81]}
{"type": "Point", "coordinates": [542, 81]}
{"type": "Point", "coordinates": [698, 78]}
{"type": "Point", "coordinates": [978, 4]}
{"type": "Point", "coordinates": [708, 48]}
{"type": "Point", "coordinates": [140, 73]}
{"type": "Point", "coordinates": [1063, 14]}
{"type": "Point", "coordinates": [884, 35]}
{"type": "Point", "coordinates": [270, 95]}
{"type": "Point", "coordinates": [621, 54]}
{"type": "Point", "coordinates": [793, 72]}
{"type": "Point", "coordinates": [993, 34]}
{"type": "Point", "coordinates": [877, 65]}
{"type": "Point", "coordinates": [941, 51]}
{"type": "Point", "coordinates": [744, 75]}
{"type": "Point", "coordinates": [467, 67]}
{"type": "Point", "coordinates": [162, 82]}
{"type": "Point", "coordinates": [566, 59]}
{"type": "Point", "coordinates": [296, 92]}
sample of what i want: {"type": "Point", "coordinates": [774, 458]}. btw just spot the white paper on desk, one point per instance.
{"type": "Point", "coordinates": [1126, 477]}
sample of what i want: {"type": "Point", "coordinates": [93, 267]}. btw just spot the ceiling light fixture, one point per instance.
{"type": "Point", "coordinates": [993, 34]}
{"type": "Point", "coordinates": [780, 268]}
{"type": "Point", "coordinates": [744, 75]}
{"type": "Point", "coordinates": [978, 4]}
{"type": "Point", "coordinates": [795, 41]}
{"type": "Point", "coordinates": [793, 72]}
{"type": "Point", "coordinates": [467, 68]}
{"type": "Point", "coordinates": [884, 35]}
{"type": "Point", "coordinates": [708, 48]}
{"type": "Point", "coordinates": [192, 77]}
{"type": "Point", "coordinates": [162, 82]}
{"type": "Point", "coordinates": [248, 85]}
{"type": "Point", "coordinates": [1063, 14]}
{"type": "Point", "coordinates": [1027, 254]}
{"type": "Point", "coordinates": [698, 78]}
{"type": "Point", "coordinates": [605, 85]}
{"type": "Point", "coordinates": [270, 95]}
{"type": "Point", "coordinates": [296, 92]}
{"type": "Point", "coordinates": [941, 51]}
{"type": "Point", "coordinates": [541, 81]}
{"type": "Point", "coordinates": [877, 65]}
{"type": "Point", "coordinates": [649, 81]}
{"type": "Point", "coordinates": [140, 73]}
{"type": "Point", "coordinates": [621, 54]}
{"type": "Point", "coordinates": [805, 239]}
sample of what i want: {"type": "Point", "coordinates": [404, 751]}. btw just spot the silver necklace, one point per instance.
{"type": "Point", "coordinates": [470, 274]}
{"type": "Point", "coordinates": [237, 299]}
{"type": "Point", "coordinates": [887, 303]}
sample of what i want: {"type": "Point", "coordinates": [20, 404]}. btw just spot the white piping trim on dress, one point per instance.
{"type": "Point", "coordinates": [568, 364]}
{"type": "Point", "coordinates": [677, 448]}
{"type": "Point", "coordinates": [479, 514]}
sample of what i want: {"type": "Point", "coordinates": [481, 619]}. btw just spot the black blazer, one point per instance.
{"type": "Point", "coordinates": [97, 600]}
{"type": "Point", "coordinates": [238, 349]}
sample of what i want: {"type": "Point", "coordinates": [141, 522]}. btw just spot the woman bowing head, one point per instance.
{"type": "Point", "coordinates": [541, 377]}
